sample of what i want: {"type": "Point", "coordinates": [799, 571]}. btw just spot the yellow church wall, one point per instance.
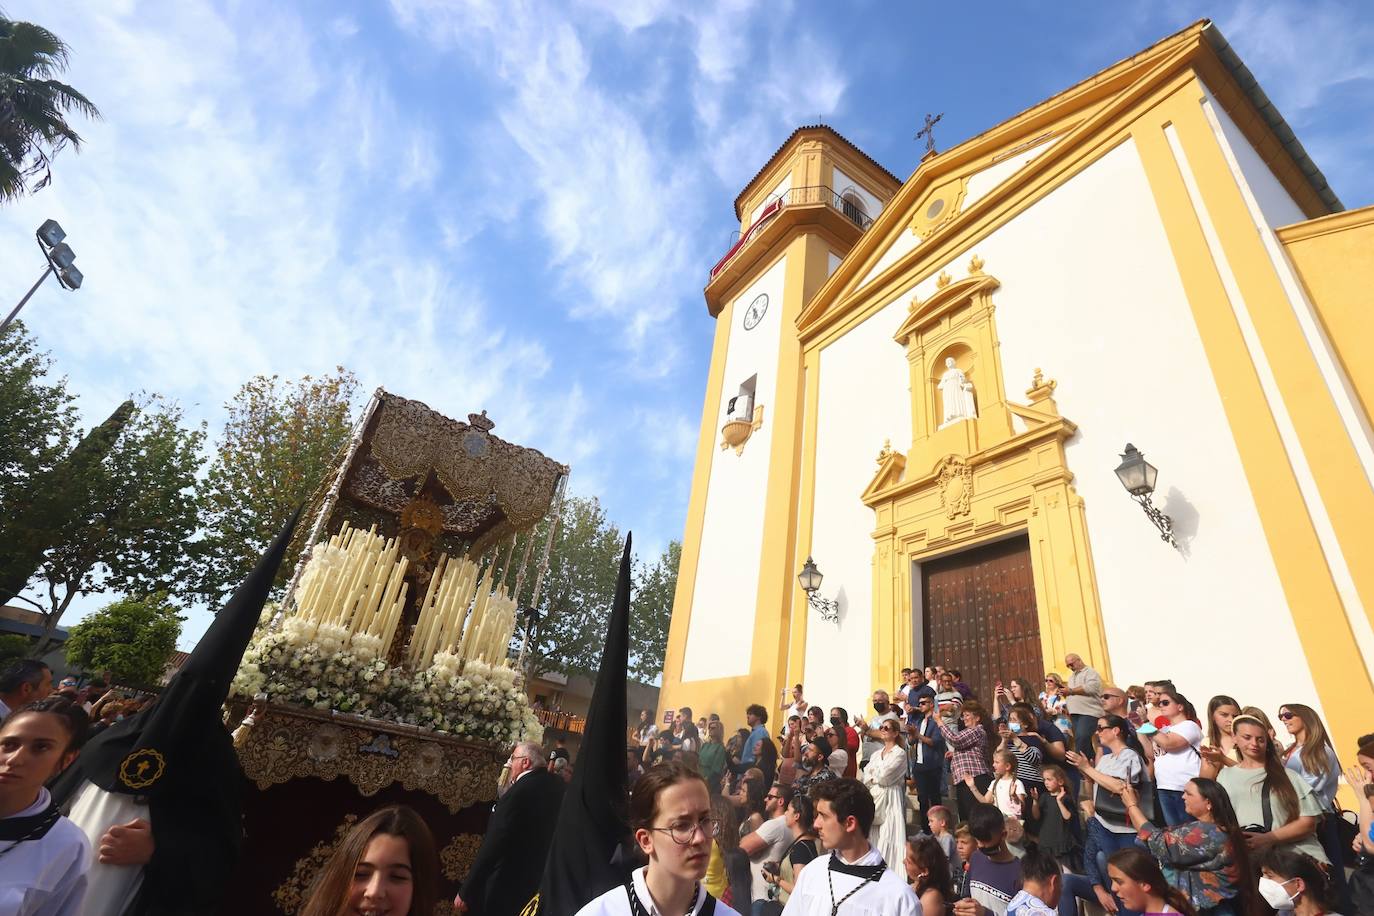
{"type": "Point", "coordinates": [1334, 257]}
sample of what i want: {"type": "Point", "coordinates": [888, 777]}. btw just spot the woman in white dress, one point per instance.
{"type": "Point", "coordinates": [885, 776]}
{"type": "Point", "coordinates": [670, 811]}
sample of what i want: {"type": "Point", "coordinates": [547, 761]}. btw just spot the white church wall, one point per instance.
{"type": "Point", "coordinates": [980, 183]}
{"type": "Point", "coordinates": [1090, 293]}
{"type": "Point", "coordinates": [1277, 205]}
{"type": "Point", "coordinates": [832, 261]}
{"type": "Point", "coordinates": [904, 242]}
{"type": "Point", "coordinates": [721, 627]}
{"type": "Point", "coordinates": [782, 188]}
{"type": "Point", "coordinates": [840, 183]}
{"type": "Point", "coordinates": [862, 401]}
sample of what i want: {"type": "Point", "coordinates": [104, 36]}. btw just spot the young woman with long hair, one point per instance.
{"type": "Point", "coordinates": [973, 746]}
{"type": "Point", "coordinates": [927, 870]}
{"type": "Point", "coordinates": [1141, 886]}
{"type": "Point", "coordinates": [1221, 711]}
{"type": "Point", "coordinates": [1205, 858]}
{"type": "Point", "coordinates": [1313, 759]}
{"type": "Point", "coordinates": [1109, 829]}
{"type": "Point", "coordinates": [1016, 690]}
{"type": "Point", "coordinates": [712, 756]}
{"type": "Point", "coordinates": [1274, 805]}
{"type": "Point", "coordinates": [386, 863]}
{"type": "Point", "coordinates": [1294, 882]}
{"type": "Point", "coordinates": [800, 817]}
{"type": "Point", "coordinates": [44, 857]}
{"type": "Point", "coordinates": [670, 813]}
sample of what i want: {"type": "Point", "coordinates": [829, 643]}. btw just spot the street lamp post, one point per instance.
{"type": "Point", "coordinates": [1138, 477]}
{"type": "Point", "coordinates": [61, 264]}
{"type": "Point", "coordinates": [810, 579]}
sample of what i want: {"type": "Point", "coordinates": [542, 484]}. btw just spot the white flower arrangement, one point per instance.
{"type": "Point", "coordinates": [322, 667]}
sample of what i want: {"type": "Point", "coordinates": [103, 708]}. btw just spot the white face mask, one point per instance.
{"type": "Point", "coordinates": [1273, 893]}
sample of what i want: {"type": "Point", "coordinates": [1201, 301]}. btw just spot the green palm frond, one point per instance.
{"type": "Point", "coordinates": [34, 107]}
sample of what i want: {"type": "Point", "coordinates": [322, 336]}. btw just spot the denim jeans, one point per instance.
{"type": "Point", "coordinates": [1084, 727]}
{"type": "Point", "coordinates": [1098, 844]}
{"type": "Point", "coordinates": [1171, 808]}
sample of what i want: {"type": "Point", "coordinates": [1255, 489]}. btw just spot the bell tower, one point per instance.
{"type": "Point", "coordinates": [799, 216]}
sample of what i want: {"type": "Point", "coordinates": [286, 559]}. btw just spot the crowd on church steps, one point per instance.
{"type": "Point", "coordinates": [1076, 796]}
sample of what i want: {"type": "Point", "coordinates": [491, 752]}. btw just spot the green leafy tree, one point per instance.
{"type": "Point", "coordinates": [137, 510]}
{"type": "Point", "coordinates": [34, 107]}
{"type": "Point", "coordinates": [655, 586]}
{"type": "Point", "coordinates": [279, 442]}
{"type": "Point", "coordinates": [575, 603]}
{"type": "Point", "coordinates": [37, 417]}
{"type": "Point", "coordinates": [13, 646]}
{"type": "Point", "coordinates": [131, 638]}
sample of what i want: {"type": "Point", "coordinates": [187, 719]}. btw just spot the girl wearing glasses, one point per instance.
{"type": "Point", "coordinates": [885, 777]}
{"type": "Point", "coordinates": [1313, 759]}
{"type": "Point", "coordinates": [670, 811]}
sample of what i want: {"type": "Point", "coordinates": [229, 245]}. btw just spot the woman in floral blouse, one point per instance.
{"type": "Point", "coordinates": [1206, 857]}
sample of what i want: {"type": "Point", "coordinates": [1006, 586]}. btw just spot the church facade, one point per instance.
{"type": "Point", "coordinates": [927, 387]}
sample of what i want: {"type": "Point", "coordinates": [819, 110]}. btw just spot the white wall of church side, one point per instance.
{"type": "Point", "coordinates": [861, 401]}
{"type": "Point", "coordinates": [980, 183]}
{"type": "Point", "coordinates": [1277, 205]}
{"type": "Point", "coordinates": [832, 261]}
{"type": "Point", "coordinates": [840, 182]}
{"type": "Point", "coordinates": [721, 626]}
{"type": "Point", "coordinates": [904, 242]}
{"type": "Point", "coordinates": [1090, 293]}
{"type": "Point", "coordinates": [782, 188]}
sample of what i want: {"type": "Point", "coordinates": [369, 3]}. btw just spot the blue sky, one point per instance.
{"type": "Point", "coordinates": [513, 206]}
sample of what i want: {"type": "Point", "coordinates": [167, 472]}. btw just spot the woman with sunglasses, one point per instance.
{"type": "Point", "coordinates": [670, 812]}
{"type": "Point", "coordinates": [885, 776]}
{"type": "Point", "coordinates": [1277, 809]}
{"type": "Point", "coordinates": [1109, 829]}
{"type": "Point", "coordinates": [1313, 759]}
{"type": "Point", "coordinates": [1176, 754]}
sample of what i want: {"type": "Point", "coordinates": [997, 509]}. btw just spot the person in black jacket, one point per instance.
{"type": "Point", "coordinates": [510, 864]}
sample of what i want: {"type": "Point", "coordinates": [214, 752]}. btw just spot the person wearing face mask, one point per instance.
{"type": "Point", "coordinates": [847, 739]}
{"type": "Point", "coordinates": [1292, 882]}
{"type": "Point", "coordinates": [869, 729]}
{"type": "Point", "coordinates": [1019, 739]}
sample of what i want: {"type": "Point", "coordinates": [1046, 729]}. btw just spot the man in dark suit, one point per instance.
{"type": "Point", "coordinates": [510, 864]}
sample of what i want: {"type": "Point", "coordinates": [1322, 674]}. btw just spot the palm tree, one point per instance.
{"type": "Point", "coordinates": [33, 107]}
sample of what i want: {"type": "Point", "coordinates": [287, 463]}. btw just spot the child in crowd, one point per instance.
{"type": "Point", "coordinates": [1039, 894]}
{"type": "Point", "coordinates": [964, 847]}
{"type": "Point", "coordinates": [939, 818]}
{"type": "Point", "coordinates": [1055, 820]}
{"type": "Point", "coordinates": [1016, 837]}
{"type": "Point", "coordinates": [386, 863]}
{"type": "Point", "coordinates": [994, 875]}
{"type": "Point", "coordinates": [45, 856]}
{"type": "Point", "coordinates": [1006, 791]}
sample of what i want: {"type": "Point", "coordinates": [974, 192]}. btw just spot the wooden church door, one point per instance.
{"type": "Point", "coordinates": [980, 615]}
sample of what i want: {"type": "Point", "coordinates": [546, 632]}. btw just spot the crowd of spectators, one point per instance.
{"type": "Point", "coordinates": [1127, 800]}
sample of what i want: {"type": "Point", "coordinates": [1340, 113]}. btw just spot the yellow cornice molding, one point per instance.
{"type": "Point", "coordinates": [1325, 225]}
{"type": "Point", "coordinates": [946, 298]}
{"type": "Point", "coordinates": [1053, 428]}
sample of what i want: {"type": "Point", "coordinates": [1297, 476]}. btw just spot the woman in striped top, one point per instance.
{"type": "Point", "coordinates": [1019, 738]}
{"type": "Point", "coordinates": [972, 748]}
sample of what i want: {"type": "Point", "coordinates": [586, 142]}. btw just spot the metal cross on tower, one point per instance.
{"type": "Point", "coordinates": [929, 131]}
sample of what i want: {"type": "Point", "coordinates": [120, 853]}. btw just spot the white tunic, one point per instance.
{"type": "Point", "coordinates": [615, 902]}
{"type": "Point", "coordinates": [885, 776]}
{"type": "Point", "coordinates": [890, 895]}
{"type": "Point", "coordinates": [112, 887]}
{"type": "Point", "coordinates": [46, 876]}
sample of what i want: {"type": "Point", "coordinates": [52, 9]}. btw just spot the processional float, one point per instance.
{"type": "Point", "coordinates": [385, 675]}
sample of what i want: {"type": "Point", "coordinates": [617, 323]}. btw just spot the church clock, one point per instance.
{"type": "Point", "coordinates": [755, 312]}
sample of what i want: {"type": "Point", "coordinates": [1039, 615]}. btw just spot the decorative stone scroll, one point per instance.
{"type": "Point", "coordinates": [290, 743]}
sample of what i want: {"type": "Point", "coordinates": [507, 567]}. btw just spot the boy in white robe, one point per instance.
{"type": "Point", "coordinates": [854, 880]}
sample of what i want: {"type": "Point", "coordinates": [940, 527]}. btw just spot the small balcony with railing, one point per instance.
{"type": "Point", "coordinates": [845, 215]}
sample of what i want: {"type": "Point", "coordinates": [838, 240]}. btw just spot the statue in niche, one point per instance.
{"type": "Point", "coordinates": [956, 394]}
